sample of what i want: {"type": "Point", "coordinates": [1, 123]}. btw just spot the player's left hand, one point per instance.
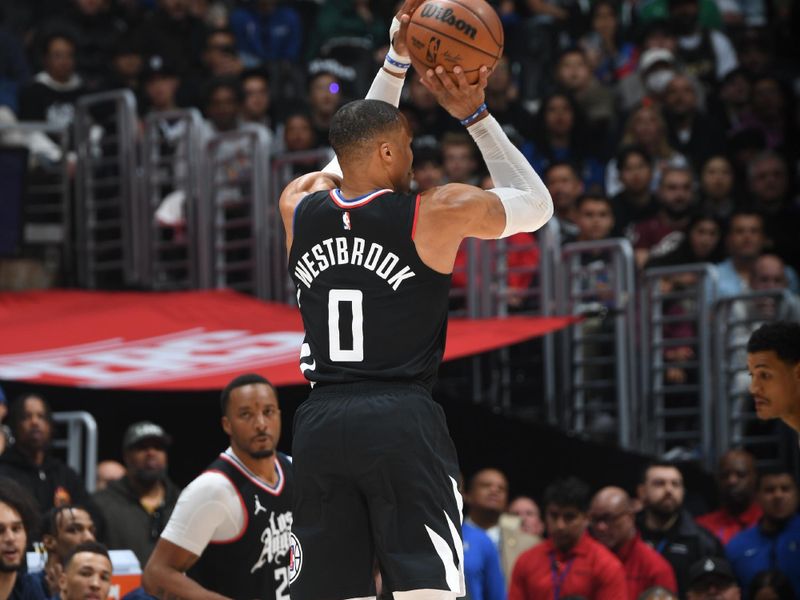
{"type": "Point", "coordinates": [397, 32]}
{"type": "Point", "coordinates": [453, 92]}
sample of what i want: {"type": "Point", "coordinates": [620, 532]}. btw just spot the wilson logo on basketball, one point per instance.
{"type": "Point", "coordinates": [445, 15]}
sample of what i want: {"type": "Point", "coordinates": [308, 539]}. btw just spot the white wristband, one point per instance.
{"type": "Point", "coordinates": [396, 63]}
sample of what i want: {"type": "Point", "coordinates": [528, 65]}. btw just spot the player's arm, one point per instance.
{"type": "Point", "coordinates": [165, 575]}
{"type": "Point", "coordinates": [520, 201]}
{"type": "Point", "coordinates": [387, 86]}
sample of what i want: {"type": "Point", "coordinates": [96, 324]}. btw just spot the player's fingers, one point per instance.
{"type": "Point", "coordinates": [461, 79]}
{"type": "Point", "coordinates": [430, 81]}
{"type": "Point", "coordinates": [444, 78]}
{"type": "Point", "coordinates": [483, 77]}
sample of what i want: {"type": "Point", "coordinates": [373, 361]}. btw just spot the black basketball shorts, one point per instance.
{"type": "Point", "coordinates": [375, 476]}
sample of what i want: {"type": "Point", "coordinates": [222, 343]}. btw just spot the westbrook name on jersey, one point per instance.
{"type": "Point", "coordinates": [372, 310]}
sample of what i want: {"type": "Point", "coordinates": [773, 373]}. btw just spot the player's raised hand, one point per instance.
{"type": "Point", "coordinates": [397, 32]}
{"type": "Point", "coordinates": [458, 97]}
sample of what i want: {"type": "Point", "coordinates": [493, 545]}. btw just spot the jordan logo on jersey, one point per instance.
{"type": "Point", "coordinates": [346, 221]}
{"type": "Point", "coordinates": [276, 539]}
{"type": "Point", "coordinates": [258, 508]}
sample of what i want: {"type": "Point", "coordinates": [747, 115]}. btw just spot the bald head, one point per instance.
{"type": "Point", "coordinates": [611, 517]}
{"type": "Point", "coordinates": [737, 478]}
{"type": "Point", "coordinates": [769, 273]}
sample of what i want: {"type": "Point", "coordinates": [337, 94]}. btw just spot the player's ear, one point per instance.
{"type": "Point", "coordinates": [386, 151]}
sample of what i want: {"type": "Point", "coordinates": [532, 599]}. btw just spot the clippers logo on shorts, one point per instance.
{"type": "Point", "coordinates": [295, 557]}
{"type": "Point", "coordinates": [445, 15]}
{"type": "Point", "coordinates": [275, 539]}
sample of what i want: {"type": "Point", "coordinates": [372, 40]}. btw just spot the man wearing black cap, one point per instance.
{"type": "Point", "coordinates": [712, 579]}
{"type": "Point", "coordinates": [137, 507]}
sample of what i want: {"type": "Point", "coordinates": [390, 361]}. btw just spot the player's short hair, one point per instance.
{"type": "Point", "coordinates": [241, 380]}
{"type": "Point", "coordinates": [92, 547]}
{"type": "Point", "coordinates": [781, 337]}
{"type": "Point", "coordinates": [583, 198]}
{"type": "Point", "coordinates": [20, 499]}
{"type": "Point", "coordinates": [360, 121]}
{"type": "Point", "coordinates": [570, 492]}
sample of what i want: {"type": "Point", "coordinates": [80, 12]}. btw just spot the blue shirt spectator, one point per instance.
{"type": "Point", "coordinates": [482, 566]}
{"type": "Point", "coordinates": [775, 542]}
{"type": "Point", "coordinates": [267, 31]}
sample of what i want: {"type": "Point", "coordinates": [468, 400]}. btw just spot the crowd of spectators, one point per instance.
{"type": "Point", "coordinates": [609, 543]}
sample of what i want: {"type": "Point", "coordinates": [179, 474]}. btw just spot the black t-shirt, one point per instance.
{"type": "Point", "coordinates": [372, 310]}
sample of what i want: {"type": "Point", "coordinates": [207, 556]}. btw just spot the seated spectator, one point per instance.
{"type": "Point", "coordinates": [645, 127]}
{"type": "Point", "coordinates": [324, 99]}
{"type": "Point", "coordinates": [220, 56]}
{"type": "Point", "coordinates": [256, 106]}
{"type": "Point", "coordinates": [667, 526]}
{"type": "Point", "coordinates": [768, 184]}
{"type": "Point", "coordinates": [692, 132]}
{"type": "Point", "coordinates": [560, 136]}
{"type": "Point", "coordinates": [14, 68]}
{"type": "Point", "coordinates": [30, 462]}
{"type": "Point", "coordinates": [428, 169]}
{"type": "Point", "coordinates": [18, 524]}
{"type": "Point", "coordinates": [574, 75]}
{"type": "Point", "coordinates": [482, 572]}
{"type": "Point", "coordinates": [87, 573]}
{"type": "Point", "coordinates": [595, 218]}
{"type": "Point", "coordinates": [569, 562]}
{"type": "Point", "coordinates": [648, 83]}
{"type": "Point", "coordinates": [108, 471]}
{"type": "Point", "coordinates": [565, 186]}
{"type": "Point", "coordinates": [716, 187]}
{"type": "Point", "coordinates": [503, 100]}
{"type": "Point", "coordinates": [736, 482]}
{"type": "Point", "coordinates": [706, 53]}
{"type": "Point", "coordinates": [610, 55]}
{"type": "Point", "coordinates": [173, 32]}
{"type": "Point", "coordinates": [160, 84]}
{"type": "Point", "coordinates": [770, 113]}
{"type": "Point", "coordinates": [267, 30]}
{"type": "Point", "coordinates": [657, 593]}
{"type": "Point", "coordinates": [63, 529]}
{"type": "Point", "coordinates": [530, 516]}
{"type": "Point", "coordinates": [635, 202]}
{"type": "Point", "coordinates": [771, 585]}
{"type": "Point", "coordinates": [744, 242]}
{"type": "Point", "coordinates": [773, 543]}
{"type": "Point", "coordinates": [127, 64]}
{"type": "Point", "coordinates": [612, 523]}
{"type": "Point", "coordinates": [52, 94]}
{"type": "Point", "coordinates": [459, 159]}
{"type": "Point", "coordinates": [712, 579]}
{"type": "Point", "coordinates": [702, 243]}
{"type": "Point", "coordinates": [663, 232]}
{"type": "Point", "coordinates": [137, 507]}
{"type": "Point", "coordinates": [486, 499]}
{"type": "Point", "coordinates": [732, 101]}
{"type": "Point", "coordinates": [428, 120]}
{"type": "Point", "coordinates": [346, 19]}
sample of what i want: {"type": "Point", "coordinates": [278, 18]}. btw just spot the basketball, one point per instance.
{"type": "Point", "coordinates": [455, 32]}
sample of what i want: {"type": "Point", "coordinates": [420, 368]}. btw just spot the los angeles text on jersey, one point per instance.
{"type": "Point", "coordinates": [333, 252]}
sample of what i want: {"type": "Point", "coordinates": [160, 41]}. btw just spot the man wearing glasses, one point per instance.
{"type": "Point", "coordinates": [611, 520]}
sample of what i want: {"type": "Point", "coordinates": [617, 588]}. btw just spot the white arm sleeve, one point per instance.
{"type": "Point", "coordinates": [209, 509]}
{"type": "Point", "coordinates": [525, 197]}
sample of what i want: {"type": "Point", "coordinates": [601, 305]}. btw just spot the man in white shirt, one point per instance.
{"type": "Point", "coordinates": [230, 533]}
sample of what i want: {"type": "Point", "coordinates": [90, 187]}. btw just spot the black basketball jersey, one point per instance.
{"type": "Point", "coordinates": [254, 565]}
{"type": "Point", "coordinates": [372, 310]}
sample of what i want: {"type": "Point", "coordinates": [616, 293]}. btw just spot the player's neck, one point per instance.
{"type": "Point", "coordinates": [264, 468]}
{"type": "Point", "coordinates": [362, 181]}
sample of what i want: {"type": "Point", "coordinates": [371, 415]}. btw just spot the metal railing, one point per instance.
{"type": "Point", "coordinates": [80, 444]}
{"type": "Point", "coordinates": [46, 209]}
{"type": "Point", "coordinates": [106, 207]}
{"type": "Point", "coordinates": [597, 279]}
{"type": "Point", "coordinates": [735, 318]}
{"type": "Point", "coordinates": [676, 361]}
{"type": "Point", "coordinates": [235, 207]}
{"type": "Point", "coordinates": [171, 170]}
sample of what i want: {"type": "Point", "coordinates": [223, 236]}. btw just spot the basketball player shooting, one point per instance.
{"type": "Point", "coordinates": [375, 468]}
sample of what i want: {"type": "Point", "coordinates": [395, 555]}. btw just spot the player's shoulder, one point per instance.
{"type": "Point", "coordinates": [211, 482]}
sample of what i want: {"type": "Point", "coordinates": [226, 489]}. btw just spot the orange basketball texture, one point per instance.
{"type": "Point", "coordinates": [455, 32]}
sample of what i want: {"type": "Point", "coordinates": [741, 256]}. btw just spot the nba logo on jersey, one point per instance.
{"type": "Point", "coordinates": [346, 221]}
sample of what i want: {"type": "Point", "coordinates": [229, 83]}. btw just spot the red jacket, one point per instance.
{"type": "Point", "coordinates": [645, 568]}
{"type": "Point", "coordinates": [725, 524]}
{"type": "Point", "coordinates": [589, 570]}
